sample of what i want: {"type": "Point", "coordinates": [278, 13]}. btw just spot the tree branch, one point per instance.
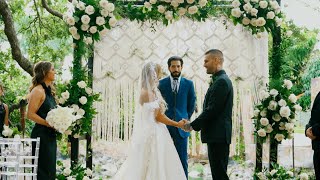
{"type": "Point", "coordinates": [51, 11]}
{"type": "Point", "coordinates": [11, 34]}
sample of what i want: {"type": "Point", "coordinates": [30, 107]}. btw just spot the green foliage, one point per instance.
{"type": "Point", "coordinates": [78, 172]}
{"type": "Point", "coordinates": [312, 71]}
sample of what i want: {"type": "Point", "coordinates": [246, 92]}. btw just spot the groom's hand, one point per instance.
{"type": "Point", "coordinates": [187, 126]}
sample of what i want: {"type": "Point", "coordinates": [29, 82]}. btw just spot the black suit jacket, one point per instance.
{"type": "Point", "coordinates": [314, 122]}
{"type": "Point", "coordinates": [215, 121]}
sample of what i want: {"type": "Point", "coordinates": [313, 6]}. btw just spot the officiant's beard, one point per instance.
{"type": "Point", "coordinates": [175, 74]}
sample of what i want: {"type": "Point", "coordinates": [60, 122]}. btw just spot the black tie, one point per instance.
{"type": "Point", "coordinates": [175, 85]}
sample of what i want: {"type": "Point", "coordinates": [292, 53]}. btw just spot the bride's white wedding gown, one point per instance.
{"type": "Point", "coordinates": [152, 155]}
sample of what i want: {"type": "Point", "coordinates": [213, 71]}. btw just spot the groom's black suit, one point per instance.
{"type": "Point", "coordinates": [215, 123]}
{"type": "Point", "coordinates": [314, 122]}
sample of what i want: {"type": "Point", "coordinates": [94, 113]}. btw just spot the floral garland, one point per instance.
{"type": "Point", "coordinates": [257, 15]}
{"type": "Point", "coordinates": [90, 20]}
{"type": "Point", "coordinates": [275, 116]}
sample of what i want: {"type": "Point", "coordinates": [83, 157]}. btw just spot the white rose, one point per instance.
{"type": "Point", "coordinates": [190, 1]}
{"type": "Point", "coordinates": [256, 112]}
{"type": "Point", "coordinates": [110, 7]}
{"type": "Point", "coordinates": [245, 21]}
{"type": "Point", "coordinates": [67, 171]}
{"type": "Point", "coordinates": [76, 36]}
{"type": "Point", "coordinates": [89, 10]}
{"type": "Point", "coordinates": [85, 178]}
{"type": "Point", "coordinates": [80, 112]}
{"type": "Point", "coordinates": [282, 103]}
{"type": "Point", "coordinates": [180, 1]}
{"type": "Point", "coordinates": [85, 19]}
{"type": "Point", "coordinates": [61, 100]}
{"type": "Point", "coordinates": [82, 84]}
{"type": "Point", "coordinates": [161, 9]}
{"type": "Point", "coordinates": [278, 21]}
{"type": "Point", "coordinates": [263, 4]}
{"type": "Point", "coordinates": [75, 2]}
{"type": "Point", "coordinates": [274, 92]}
{"type": "Point", "coordinates": [276, 117]}
{"type": "Point", "coordinates": [236, 3]}
{"type": "Point", "coordinates": [263, 94]}
{"type": "Point", "coordinates": [104, 32]}
{"type": "Point", "coordinates": [153, 1]}
{"type": "Point", "coordinates": [297, 108]}
{"type": "Point", "coordinates": [236, 12]}
{"type": "Point", "coordinates": [289, 33]}
{"type": "Point", "coordinates": [83, 100]}
{"type": "Point", "coordinates": [282, 126]}
{"type": "Point", "coordinates": [270, 15]}
{"type": "Point", "coordinates": [81, 6]}
{"type": "Point", "coordinates": [88, 172]}
{"type": "Point", "coordinates": [85, 27]}
{"type": "Point", "coordinates": [253, 22]}
{"type": "Point", "coordinates": [100, 21]}
{"type": "Point", "coordinates": [182, 11]}
{"type": "Point", "coordinates": [289, 127]}
{"type": "Point", "coordinates": [262, 133]}
{"type": "Point", "coordinates": [269, 128]}
{"type": "Point", "coordinates": [192, 9]}
{"type": "Point", "coordinates": [285, 111]}
{"type": "Point", "coordinates": [287, 84]}
{"type": "Point", "coordinates": [274, 5]}
{"type": "Point", "coordinates": [273, 172]}
{"type": "Point", "coordinates": [112, 22]}
{"type": "Point", "coordinates": [168, 15]}
{"type": "Point", "coordinates": [247, 7]}
{"type": "Point", "coordinates": [93, 29]}
{"type": "Point", "coordinates": [304, 176]}
{"type": "Point", "coordinates": [272, 105]}
{"type": "Point", "coordinates": [293, 98]}
{"type": "Point", "coordinates": [65, 95]}
{"type": "Point", "coordinates": [261, 21]}
{"type": "Point", "coordinates": [174, 3]}
{"type": "Point", "coordinates": [73, 30]}
{"type": "Point", "coordinates": [75, 107]}
{"type": "Point", "coordinates": [203, 3]}
{"type": "Point", "coordinates": [254, 12]}
{"type": "Point", "coordinates": [264, 121]}
{"type": "Point", "coordinates": [147, 5]}
{"type": "Point", "coordinates": [279, 137]}
{"type": "Point", "coordinates": [263, 113]}
{"type": "Point", "coordinates": [70, 21]}
{"type": "Point", "coordinates": [104, 12]}
{"type": "Point", "coordinates": [290, 173]}
{"type": "Point", "coordinates": [103, 3]}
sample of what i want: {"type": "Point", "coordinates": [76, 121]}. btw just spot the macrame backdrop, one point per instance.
{"type": "Point", "coordinates": [119, 57]}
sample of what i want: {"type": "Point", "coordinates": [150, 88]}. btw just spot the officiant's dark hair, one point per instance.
{"type": "Point", "coordinates": [175, 58]}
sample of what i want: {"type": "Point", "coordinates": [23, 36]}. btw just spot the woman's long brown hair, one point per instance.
{"type": "Point", "coordinates": [40, 71]}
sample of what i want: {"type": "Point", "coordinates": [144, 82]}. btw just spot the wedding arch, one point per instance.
{"type": "Point", "coordinates": [119, 56]}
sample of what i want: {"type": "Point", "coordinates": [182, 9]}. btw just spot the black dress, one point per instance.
{"type": "Point", "coordinates": [2, 116]}
{"type": "Point", "coordinates": [48, 143]}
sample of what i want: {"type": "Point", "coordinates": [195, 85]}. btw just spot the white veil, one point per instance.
{"type": "Point", "coordinates": [148, 92]}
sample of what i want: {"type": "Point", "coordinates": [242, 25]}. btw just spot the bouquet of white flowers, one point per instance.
{"type": "Point", "coordinates": [61, 118]}
{"type": "Point", "coordinates": [7, 132]}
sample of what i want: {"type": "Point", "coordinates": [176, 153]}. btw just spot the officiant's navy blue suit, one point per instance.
{"type": "Point", "coordinates": [180, 105]}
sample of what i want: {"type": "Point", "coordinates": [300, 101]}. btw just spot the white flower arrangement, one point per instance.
{"type": "Point", "coordinates": [61, 118]}
{"type": "Point", "coordinates": [171, 9]}
{"type": "Point", "coordinates": [257, 15]}
{"type": "Point", "coordinates": [66, 172]}
{"type": "Point", "coordinates": [7, 132]}
{"type": "Point", "coordinates": [90, 20]}
{"type": "Point", "coordinates": [275, 115]}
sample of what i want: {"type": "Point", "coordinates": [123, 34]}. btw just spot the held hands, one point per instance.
{"type": "Point", "coordinates": [186, 127]}
{"type": "Point", "coordinates": [181, 123]}
{"type": "Point", "coordinates": [310, 134]}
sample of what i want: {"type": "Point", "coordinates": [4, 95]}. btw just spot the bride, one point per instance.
{"type": "Point", "coordinates": [152, 155]}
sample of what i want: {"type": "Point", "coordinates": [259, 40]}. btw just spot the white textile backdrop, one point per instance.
{"type": "Point", "coordinates": [119, 57]}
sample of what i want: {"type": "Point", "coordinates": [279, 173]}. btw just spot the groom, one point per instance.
{"type": "Point", "coordinates": [215, 120]}
{"type": "Point", "coordinates": [178, 92]}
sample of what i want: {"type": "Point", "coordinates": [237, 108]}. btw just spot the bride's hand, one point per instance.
{"type": "Point", "coordinates": [181, 123]}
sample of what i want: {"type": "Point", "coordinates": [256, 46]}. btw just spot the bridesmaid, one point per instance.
{"type": "Point", "coordinates": [41, 101]}
{"type": "Point", "coordinates": [4, 111]}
